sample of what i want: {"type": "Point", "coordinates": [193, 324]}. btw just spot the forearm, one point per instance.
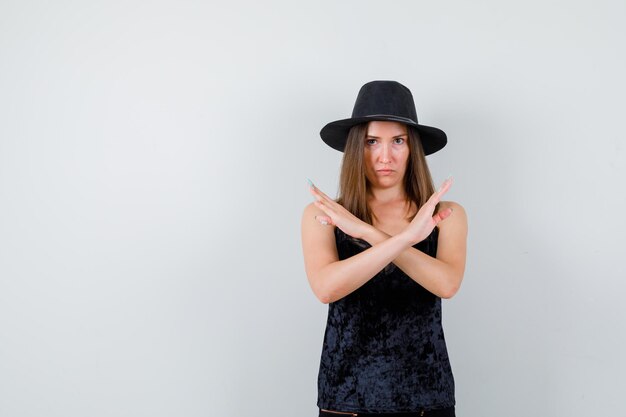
{"type": "Point", "coordinates": [434, 275]}
{"type": "Point", "coordinates": [343, 277]}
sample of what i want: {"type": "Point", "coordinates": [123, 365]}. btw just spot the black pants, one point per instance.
{"type": "Point", "coordinates": [444, 412]}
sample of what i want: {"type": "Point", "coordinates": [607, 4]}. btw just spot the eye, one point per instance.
{"type": "Point", "coordinates": [399, 141]}
{"type": "Point", "coordinates": [370, 141]}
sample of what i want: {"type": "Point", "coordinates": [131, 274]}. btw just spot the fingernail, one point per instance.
{"type": "Point", "coordinates": [449, 177]}
{"type": "Point", "coordinates": [324, 222]}
{"type": "Point", "coordinates": [310, 182]}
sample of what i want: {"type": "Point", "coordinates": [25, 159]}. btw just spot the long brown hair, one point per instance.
{"type": "Point", "coordinates": [418, 183]}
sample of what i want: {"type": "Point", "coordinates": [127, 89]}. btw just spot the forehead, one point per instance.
{"type": "Point", "coordinates": [386, 128]}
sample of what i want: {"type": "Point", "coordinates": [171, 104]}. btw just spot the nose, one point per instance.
{"type": "Point", "coordinates": [385, 154]}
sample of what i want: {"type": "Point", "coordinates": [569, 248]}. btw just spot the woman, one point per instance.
{"type": "Point", "coordinates": [382, 256]}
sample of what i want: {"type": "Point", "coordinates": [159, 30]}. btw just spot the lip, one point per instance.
{"type": "Point", "coordinates": [384, 171]}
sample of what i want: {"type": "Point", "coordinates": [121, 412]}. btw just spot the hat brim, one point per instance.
{"type": "Point", "coordinates": [335, 134]}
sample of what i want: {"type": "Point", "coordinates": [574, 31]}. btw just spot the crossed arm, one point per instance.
{"type": "Point", "coordinates": [332, 279]}
{"type": "Point", "coordinates": [442, 275]}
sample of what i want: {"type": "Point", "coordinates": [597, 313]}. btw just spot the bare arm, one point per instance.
{"type": "Point", "coordinates": [442, 275]}
{"type": "Point", "coordinates": [332, 279]}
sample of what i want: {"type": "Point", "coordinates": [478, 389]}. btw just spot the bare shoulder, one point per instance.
{"type": "Point", "coordinates": [452, 204]}
{"type": "Point", "coordinates": [311, 210]}
{"type": "Point", "coordinates": [317, 238]}
{"type": "Point", "coordinates": [309, 223]}
{"type": "Point", "coordinates": [458, 218]}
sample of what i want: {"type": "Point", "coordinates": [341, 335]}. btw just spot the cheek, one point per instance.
{"type": "Point", "coordinates": [404, 157]}
{"type": "Point", "coordinates": [402, 154]}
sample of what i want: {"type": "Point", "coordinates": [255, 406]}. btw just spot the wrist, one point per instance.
{"type": "Point", "coordinates": [407, 238]}
{"type": "Point", "coordinates": [367, 233]}
{"type": "Point", "coordinates": [374, 236]}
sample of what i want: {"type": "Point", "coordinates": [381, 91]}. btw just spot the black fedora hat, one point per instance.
{"type": "Point", "coordinates": [383, 100]}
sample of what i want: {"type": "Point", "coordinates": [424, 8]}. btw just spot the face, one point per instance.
{"type": "Point", "coordinates": [386, 153]}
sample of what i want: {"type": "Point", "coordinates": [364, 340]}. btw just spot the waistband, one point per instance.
{"type": "Point", "coordinates": [442, 412]}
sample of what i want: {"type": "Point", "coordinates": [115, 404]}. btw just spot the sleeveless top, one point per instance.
{"type": "Point", "coordinates": [384, 349]}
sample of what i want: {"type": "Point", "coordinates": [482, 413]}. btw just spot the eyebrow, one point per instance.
{"type": "Point", "coordinates": [396, 136]}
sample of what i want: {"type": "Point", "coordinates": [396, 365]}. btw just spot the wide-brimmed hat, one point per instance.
{"type": "Point", "coordinates": [383, 100]}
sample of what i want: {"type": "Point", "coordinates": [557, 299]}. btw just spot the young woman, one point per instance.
{"type": "Point", "coordinates": [382, 256]}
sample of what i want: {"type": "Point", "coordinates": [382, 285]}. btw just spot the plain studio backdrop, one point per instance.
{"type": "Point", "coordinates": [153, 165]}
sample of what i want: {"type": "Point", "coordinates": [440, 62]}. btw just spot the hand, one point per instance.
{"type": "Point", "coordinates": [337, 215]}
{"type": "Point", "coordinates": [424, 221]}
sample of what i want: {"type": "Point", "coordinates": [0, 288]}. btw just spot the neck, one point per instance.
{"type": "Point", "coordinates": [386, 195]}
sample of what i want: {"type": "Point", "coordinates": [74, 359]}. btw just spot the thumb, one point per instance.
{"type": "Point", "coordinates": [325, 220]}
{"type": "Point", "coordinates": [442, 215]}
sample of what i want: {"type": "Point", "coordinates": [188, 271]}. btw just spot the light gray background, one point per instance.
{"type": "Point", "coordinates": [153, 165]}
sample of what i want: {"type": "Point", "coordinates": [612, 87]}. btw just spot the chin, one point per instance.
{"type": "Point", "coordinates": [386, 184]}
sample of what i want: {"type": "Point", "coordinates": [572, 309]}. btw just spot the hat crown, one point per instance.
{"type": "Point", "coordinates": [385, 98]}
{"type": "Point", "coordinates": [383, 101]}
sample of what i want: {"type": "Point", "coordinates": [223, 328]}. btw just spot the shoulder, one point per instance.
{"type": "Point", "coordinates": [311, 210]}
{"type": "Point", "coordinates": [311, 227]}
{"type": "Point", "coordinates": [452, 204]}
{"type": "Point", "coordinates": [309, 213]}
{"type": "Point", "coordinates": [457, 221]}
{"type": "Point", "coordinates": [453, 229]}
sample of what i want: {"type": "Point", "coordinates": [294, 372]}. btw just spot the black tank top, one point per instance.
{"type": "Point", "coordinates": [384, 350]}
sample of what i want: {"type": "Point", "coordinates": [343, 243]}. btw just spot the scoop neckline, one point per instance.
{"type": "Point", "coordinates": [362, 240]}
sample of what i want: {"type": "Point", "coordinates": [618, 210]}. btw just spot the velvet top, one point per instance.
{"type": "Point", "coordinates": [384, 349]}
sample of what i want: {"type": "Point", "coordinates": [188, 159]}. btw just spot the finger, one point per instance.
{"type": "Point", "coordinates": [433, 199]}
{"type": "Point", "coordinates": [313, 189]}
{"type": "Point", "coordinates": [324, 220]}
{"type": "Point", "coordinates": [317, 193]}
{"type": "Point", "coordinates": [320, 196]}
{"type": "Point", "coordinates": [445, 186]}
{"type": "Point", "coordinates": [442, 215]}
{"type": "Point", "coordinates": [329, 211]}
